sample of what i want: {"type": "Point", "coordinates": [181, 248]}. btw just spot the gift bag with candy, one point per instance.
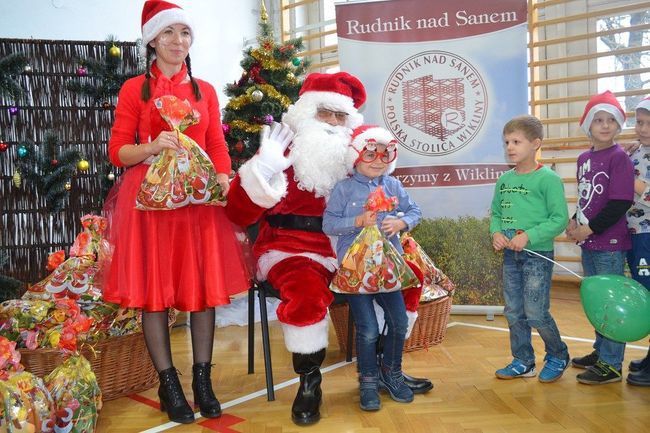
{"type": "Point", "coordinates": [372, 264]}
{"type": "Point", "coordinates": [435, 283]}
{"type": "Point", "coordinates": [82, 272]}
{"type": "Point", "coordinates": [76, 394]}
{"type": "Point", "coordinates": [178, 177]}
{"type": "Point", "coordinates": [25, 402]}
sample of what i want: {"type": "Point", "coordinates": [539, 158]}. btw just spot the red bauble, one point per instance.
{"type": "Point", "coordinates": [81, 71]}
{"type": "Point", "coordinates": [3, 146]}
{"type": "Point", "coordinates": [55, 162]}
{"type": "Point", "coordinates": [239, 147]}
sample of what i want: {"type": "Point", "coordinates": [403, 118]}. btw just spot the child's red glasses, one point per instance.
{"type": "Point", "coordinates": [370, 154]}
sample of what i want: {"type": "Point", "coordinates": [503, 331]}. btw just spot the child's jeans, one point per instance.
{"type": "Point", "coordinates": [526, 288]}
{"type": "Point", "coordinates": [365, 323]}
{"type": "Point", "coordinates": [599, 263]}
{"type": "Point", "coordinates": [638, 258]}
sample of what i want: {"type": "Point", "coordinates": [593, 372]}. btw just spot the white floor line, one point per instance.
{"type": "Point", "coordinates": [584, 340]}
{"type": "Point", "coordinates": [262, 392]}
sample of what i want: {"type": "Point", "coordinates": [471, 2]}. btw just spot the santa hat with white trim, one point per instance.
{"type": "Point", "coordinates": [606, 102]}
{"type": "Point", "coordinates": [645, 104]}
{"type": "Point", "coordinates": [360, 138]}
{"type": "Point", "coordinates": [158, 14]}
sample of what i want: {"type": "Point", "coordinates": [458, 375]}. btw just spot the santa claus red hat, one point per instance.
{"type": "Point", "coordinates": [359, 140]}
{"type": "Point", "coordinates": [340, 91]}
{"type": "Point", "coordinates": [607, 102]}
{"type": "Point", "coordinates": [645, 103]}
{"type": "Point", "coordinates": [158, 14]}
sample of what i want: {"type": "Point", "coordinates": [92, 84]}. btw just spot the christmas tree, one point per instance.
{"type": "Point", "coordinates": [10, 67]}
{"type": "Point", "coordinates": [49, 171]}
{"type": "Point", "coordinates": [10, 288]}
{"type": "Point", "coordinates": [269, 84]}
{"type": "Point", "coordinates": [101, 79]}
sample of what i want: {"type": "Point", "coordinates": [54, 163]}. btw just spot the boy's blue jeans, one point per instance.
{"type": "Point", "coordinates": [526, 288]}
{"type": "Point", "coordinates": [365, 323]}
{"type": "Point", "coordinates": [599, 263]}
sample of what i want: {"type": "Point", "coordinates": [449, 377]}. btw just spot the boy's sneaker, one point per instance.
{"type": "Point", "coordinates": [640, 364]}
{"type": "Point", "coordinates": [599, 374]}
{"type": "Point", "coordinates": [585, 361]}
{"type": "Point", "coordinates": [515, 369]}
{"type": "Point", "coordinates": [393, 382]}
{"type": "Point", "coordinates": [553, 368]}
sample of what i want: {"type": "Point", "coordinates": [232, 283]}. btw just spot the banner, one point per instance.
{"type": "Point", "coordinates": [444, 77]}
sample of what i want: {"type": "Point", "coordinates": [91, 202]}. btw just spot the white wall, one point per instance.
{"type": "Point", "coordinates": [221, 27]}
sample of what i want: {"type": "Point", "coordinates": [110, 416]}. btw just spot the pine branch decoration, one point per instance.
{"type": "Point", "coordinates": [10, 67]}
{"type": "Point", "coordinates": [48, 170]}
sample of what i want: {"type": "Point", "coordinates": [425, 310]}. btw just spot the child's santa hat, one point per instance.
{"type": "Point", "coordinates": [158, 14]}
{"type": "Point", "coordinates": [360, 138]}
{"type": "Point", "coordinates": [607, 102]}
{"type": "Point", "coordinates": [645, 104]}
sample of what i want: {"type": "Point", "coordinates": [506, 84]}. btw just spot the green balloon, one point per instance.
{"type": "Point", "coordinates": [617, 306]}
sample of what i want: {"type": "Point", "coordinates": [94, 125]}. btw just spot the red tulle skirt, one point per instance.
{"type": "Point", "coordinates": [188, 258]}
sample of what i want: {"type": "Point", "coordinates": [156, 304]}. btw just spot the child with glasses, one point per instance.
{"type": "Point", "coordinates": [370, 159]}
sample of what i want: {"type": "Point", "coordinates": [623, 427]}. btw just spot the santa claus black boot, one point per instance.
{"type": "Point", "coordinates": [305, 409]}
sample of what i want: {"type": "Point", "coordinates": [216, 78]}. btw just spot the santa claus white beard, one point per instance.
{"type": "Point", "coordinates": [318, 156]}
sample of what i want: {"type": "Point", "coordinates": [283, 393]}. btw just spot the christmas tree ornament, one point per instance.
{"type": "Point", "coordinates": [27, 68]}
{"type": "Point", "coordinates": [111, 176]}
{"type": "Point", "coordinates": [22, 151]}
{"type": "Point", "coordinates": [295, 61]}
{"type": "Point", "coordinates": [257, 95]}
{"type": "Point", "coordinates": [106, 105]}
{"type": "Point", "coordinates": [226, 128]}
{"type": "Point", "coordinates": [3, 146]}
{"type": "Point", "coordinates": [67, 186]}
{"type": "Point", "coordinates": [268, 119]}
{"type": "Point", "coordinates": [290, 76]}
{"type": "Point", "coordinates": [114, 51]}
{"type": "Point", "coordinates": [83, 165]}
{"type": "Point", "coordinates": [81, 71]}
{"type": "Point", "coordinates": [239, 146]}
{"type": "Point", "coordinates": [54, 162]}
{"type": "Point", "coordinates": [13, 110]}
{"type": "Point", "coordinates": [17, 179]}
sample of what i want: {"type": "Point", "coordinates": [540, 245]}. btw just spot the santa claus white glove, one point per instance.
{"type": "Point", "coordinates": [273, 144]}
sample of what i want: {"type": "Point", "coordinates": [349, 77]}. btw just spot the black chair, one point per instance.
{"type": "Point", "coordinates": [264, 290]}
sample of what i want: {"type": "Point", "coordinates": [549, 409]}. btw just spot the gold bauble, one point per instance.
{"type": "Point", "coordinates": [83, 165]}
{"type": "Point", "coordinates": [67, 186]}
{"type": "Point", "coordinates": [290, 76]}
{"type": "Point", "coordinates": [114, 51]}
{"type": "Point", "coordinates": [257, 95]}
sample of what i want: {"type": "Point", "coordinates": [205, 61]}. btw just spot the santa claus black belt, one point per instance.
{"type": "Point", "coordinates": [296, 222]}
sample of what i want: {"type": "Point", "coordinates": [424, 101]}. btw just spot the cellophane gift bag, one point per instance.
{"type": "Point", "coordinates": [76, 394]}
{"type": "Point", "coordinates": [180, 177]}
{"type": "Point", "coordinates": [372, 264]}
{"type": "Point", "coordinates": [435, 283]}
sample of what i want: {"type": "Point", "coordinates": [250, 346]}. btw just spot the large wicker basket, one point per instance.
{"type": "Point", "coordinates": [122, 364]}
{"type": "Point", "coordinates": [429, 329]}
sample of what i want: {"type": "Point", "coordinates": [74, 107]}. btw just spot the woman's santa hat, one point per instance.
{"type": "Point", "coordinates": [158, 14]}
{"type": "Point", "coordinates": [606, 102]}
{"type": "Point", "coordinates": [645, 104]}
{"type": "Point", "coordinates": [360, 138]}
{"type": "Point", "coordinates": [337, 92]}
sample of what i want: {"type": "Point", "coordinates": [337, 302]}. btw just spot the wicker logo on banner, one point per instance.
{"type": "Point", "coordinates": [435, 103]}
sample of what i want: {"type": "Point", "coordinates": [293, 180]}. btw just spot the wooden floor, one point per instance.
{"type": "Point", "coordinates": [466, 398]}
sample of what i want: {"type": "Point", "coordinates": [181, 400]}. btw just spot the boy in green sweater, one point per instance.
{"type": "Point", "coordinates": [528, 211]}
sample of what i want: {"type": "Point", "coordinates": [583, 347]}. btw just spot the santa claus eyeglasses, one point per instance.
{"type": "Point", "coordinates": [326, 114]}
{"type": "Point", "coordinates": [370, 152]}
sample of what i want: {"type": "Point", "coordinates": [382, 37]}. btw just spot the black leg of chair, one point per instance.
{"type": "Point", "coordinates": [266, 344]}
{"type": "Point", "coordinates": [251, 330]}
{"type": "Point", "coordinates": [348, 355]}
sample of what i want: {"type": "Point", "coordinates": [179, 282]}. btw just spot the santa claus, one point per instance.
{"type": "Point", "coordinates": [284, 188]}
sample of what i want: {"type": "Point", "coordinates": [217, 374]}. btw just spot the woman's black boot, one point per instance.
{"type": "Point", "coordinates": [172, 399]}
{"type": "Point", "coordinates": [203, 394]}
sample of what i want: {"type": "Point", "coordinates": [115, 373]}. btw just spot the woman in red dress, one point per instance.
{"type": "Point", "coordinates": [186, 258]}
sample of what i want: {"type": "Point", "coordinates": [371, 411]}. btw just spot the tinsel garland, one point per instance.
{"type": "Point", "coordinates": [269, 91]}
{"type": "Point", "coordinates": [245, 126]}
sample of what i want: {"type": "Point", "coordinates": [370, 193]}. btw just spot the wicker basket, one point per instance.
{"type": "Point", "coordinates": [122, 364]}
{"type": "Point", "coordinates": [429, 329]}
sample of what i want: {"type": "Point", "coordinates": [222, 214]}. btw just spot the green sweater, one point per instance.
{"type": "Point", "coordinates": [533, 202]}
